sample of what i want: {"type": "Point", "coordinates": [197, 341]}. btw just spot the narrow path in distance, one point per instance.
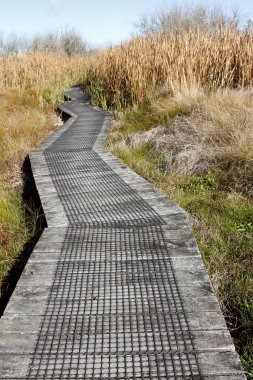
{"type": "Point", "coordinates": [115, 288]}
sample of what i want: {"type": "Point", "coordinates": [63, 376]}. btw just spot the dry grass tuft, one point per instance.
{"type": "Point", "coordinates": [215, 134]}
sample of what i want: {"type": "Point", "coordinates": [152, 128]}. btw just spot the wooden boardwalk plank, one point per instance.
{"type": "Point", "coordinates": [115, 288]}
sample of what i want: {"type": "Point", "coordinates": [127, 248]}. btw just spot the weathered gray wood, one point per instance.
{"type": "Point", "coordinates": [116, 287]}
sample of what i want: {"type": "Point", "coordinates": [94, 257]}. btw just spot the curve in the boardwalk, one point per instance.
{"type": "Point", "coordinates": [114, 309]}
{"type": "Point", "coordinates": [115, 287]}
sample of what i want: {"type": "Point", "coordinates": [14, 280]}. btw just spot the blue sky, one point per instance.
{"type": "Point", "coordinates": [99, 22]}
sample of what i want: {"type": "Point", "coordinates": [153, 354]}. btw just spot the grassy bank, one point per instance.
{"type": "Point", "coordinates": [184, 110]}
{"type": "Point", "coordinates": [31, 86]}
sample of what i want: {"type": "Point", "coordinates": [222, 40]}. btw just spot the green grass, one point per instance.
{"type": "Point", "coordinates": [222, 224]}
{"type": "Point", "coordinates": [14, 231]}
{"type": "Point", "coordinates": [144, 118]}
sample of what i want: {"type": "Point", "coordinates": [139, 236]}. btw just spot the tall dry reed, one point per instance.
{"type": "Point", "coordinates": [45, 74]}
{"type": "Point", "coordinates": [134, 71]}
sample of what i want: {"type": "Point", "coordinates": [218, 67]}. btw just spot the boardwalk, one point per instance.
{"type": "Point", "coordinates": [115, 288]}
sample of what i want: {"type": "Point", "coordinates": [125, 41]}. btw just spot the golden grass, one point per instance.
{"type": "Point", "coordinates": [134, 72]}
{"type": "Point", "coordinates": [39, 71]}
{"type": "Point", "coordinates": [22, 127]}
{"type": "Point", "coordinates": [30, 87]}
{"type": "Point", "coordinates": [213, 131]}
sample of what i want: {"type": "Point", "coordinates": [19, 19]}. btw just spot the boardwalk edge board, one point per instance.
{"type": "Point", "coordinates": [187, 340]}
